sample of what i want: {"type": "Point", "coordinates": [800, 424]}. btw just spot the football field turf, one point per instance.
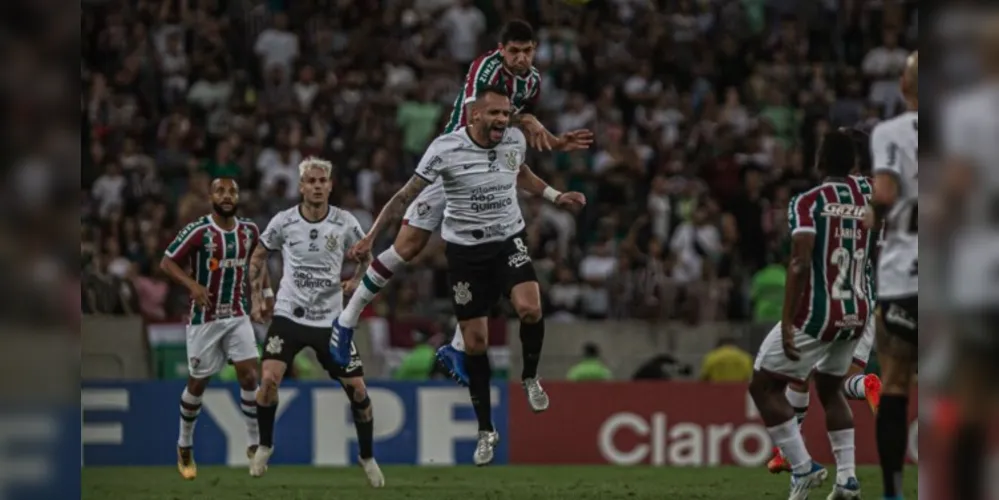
{"type": "Point", "coordinates": [458, 483]}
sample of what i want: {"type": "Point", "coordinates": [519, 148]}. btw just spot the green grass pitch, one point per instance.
{"type": "Point", "coordinates": [458, 483]}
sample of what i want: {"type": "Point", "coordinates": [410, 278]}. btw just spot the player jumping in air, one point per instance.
{"type": "Point", "coordinates": [481, 167]}
{"type": "Point", "coordinates": [509, 67]}
{"type": "Point", "coordinates": [894, 146]}
{"type": "Point", "coordinates": [313, 238]}
{"type": "Point", "coordinates": [827, 304]}
{"type": "Point", "coordinates": [858, 386]}
{"type": "Point", "coordinates": [217, 248]}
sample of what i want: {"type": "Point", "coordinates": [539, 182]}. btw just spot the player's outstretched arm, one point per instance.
{"type": "Point", "coordinates": [530, 182]}
{"type": "Point", "coordinates": [390, 214]}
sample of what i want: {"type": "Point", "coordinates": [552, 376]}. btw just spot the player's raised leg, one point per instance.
{"type": "Point", "coordinates": [451, 357]}
{"type": "Point", "coordinates": [364, 423]}
{"type": "Point", "coordinates": [526, 299]}
{"type": "Point", "coordinates": [859, 386]}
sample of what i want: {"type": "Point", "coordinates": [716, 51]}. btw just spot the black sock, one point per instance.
{"type": "Point", "coordinates": [365, 437]}
{"type": "Point", "coordinates": [893, 433]}
{"type": "Point", "coordinates": [532, 337]}
{"type": "Point", "coordinates": [968, 461]}
{"type": "Point", "coordinates": [479, 373]}
{"type": "Point", "coordinates": [265, 418]}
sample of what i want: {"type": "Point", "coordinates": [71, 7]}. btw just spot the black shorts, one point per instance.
{"type": "Point", "coordinates": [286, 338]}
{"type": "Point", "coordinates": [480, 274]}
{"type": "Point", "coordinates": [898, 328]}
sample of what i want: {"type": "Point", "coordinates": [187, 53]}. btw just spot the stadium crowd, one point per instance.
{"type": "Point", "coordinates": [706, 115]}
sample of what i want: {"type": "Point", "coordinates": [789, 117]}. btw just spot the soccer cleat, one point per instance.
{"type": "Point", "coordinates": [251, 450]}
{"type": "Point", "coordinates": [340, 343]}
{"type": "Point", "coordinates": [778, 463]}
{"type": "Point", "coordinates": [185, 463]}
{"type": "Point", "coordinates": [536, 395]}
{"type": "Point", "coordinates": [872, 391]}
{"type": "Point", "coordinates": [453, 363]}
{"type": "Point", "coordinates": [803, 484]}
{"type": "Point", "coordinates": [846, 491]}
{"type": "Point", "coordinates": [485, 447]}
{"type": "Point", "coordinates": [258, 464]}
{"type": "Point", "coordinates": [374, 473]}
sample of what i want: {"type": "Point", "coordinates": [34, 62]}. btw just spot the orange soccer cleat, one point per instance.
{"type": "Point", "coordinates": [872, 391]}
{"type": "Point", "coordinates": [778, 463]}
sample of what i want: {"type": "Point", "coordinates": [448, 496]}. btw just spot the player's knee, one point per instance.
{"type": "Point", "coordinates": [529, 312]}
{"type": "Point", "coordinates": [269, 383]}
{"type": "Point", "coordinates": [475, 342]}
{"type": "Point", "coordinates": [247, 378]}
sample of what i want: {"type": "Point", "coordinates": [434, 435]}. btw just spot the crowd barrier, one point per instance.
{"type": "Point", "coordinates": [656, 423]}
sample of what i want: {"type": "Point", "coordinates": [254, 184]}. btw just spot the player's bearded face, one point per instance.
{"type": "Point", "coordinates": [225, 197]}
{"type": "Point", "coordinates": [518, 56]}
{"type": "Point", "coordinates": [315, 187]}
{"type": "Point", "coordinates": [493, 120]}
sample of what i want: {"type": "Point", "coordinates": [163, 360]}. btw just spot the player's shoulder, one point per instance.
{"type": "Point", "coordinates": [487, 63]}
{"type": "Point", "coordinates": [903, 124]}
{"type": "Point", "coordinates": [248, 222]}
{"type": "Point", "coordinates": [342, 217]}
{"type": "Point", "coordinates": [514, 135]}
{"type": "Point", "coordinates": [196, 225]}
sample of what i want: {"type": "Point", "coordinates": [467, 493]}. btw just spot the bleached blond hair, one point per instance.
{"type": "Point", "coordinates": [314, 162]}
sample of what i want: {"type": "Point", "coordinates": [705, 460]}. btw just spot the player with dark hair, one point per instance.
{"type": "Point", "coordinates": [481, 167]}
{"type": "Point", "coordinates": [216, 248]}
{"type": "Point", "coordinates": [827, 305]}
{"type": "Point", "coordinates": [507, 69]}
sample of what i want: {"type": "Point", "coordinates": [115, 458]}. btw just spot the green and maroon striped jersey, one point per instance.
{"type": "Point", "coordinates": [838, 300]}
{"type": "Point", "coordinates": [866, 187]}
{"type": "Point", "coordinates": [219, 261]}
{"type": "Point", "coordinates": [487, 70]}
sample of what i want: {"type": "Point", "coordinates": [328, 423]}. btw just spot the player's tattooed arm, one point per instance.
{"type": "Point", "coordinates": [259, 277]}
{"type": "Point", "coordinates": [393, 210]}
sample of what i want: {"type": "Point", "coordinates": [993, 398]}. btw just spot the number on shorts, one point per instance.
{"type": "Point", "coordinates": [845, 266]}
{"type": "Point", "coordinates": [519, 243]}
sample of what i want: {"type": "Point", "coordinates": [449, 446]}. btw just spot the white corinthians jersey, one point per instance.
{"type": "Point", "coordinates": [970, 135]}
{"type": "Point", "coordinates": [480, 185]}
{"type": "Point", "coordinates": [313, 252]}
{"type": "Point", "coordinates": [894, 148]}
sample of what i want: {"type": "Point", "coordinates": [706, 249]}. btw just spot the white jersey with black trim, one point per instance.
{"type": "Point", "coordinates": [970, 136]}
{"type": "Point", "coordinates": [310, 292]}
{"type": "Point", "coordinates": [895, 150]}
{"type": "Point", "coordinates": [480, 185]}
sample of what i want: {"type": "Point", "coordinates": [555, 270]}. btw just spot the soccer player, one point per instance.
{"type": "Point", "coordinates": [858, 386]}
{"type": "Point", "coordinates": [894, 146]}
{"type": "Point", "coordinates": [484, 231]}
{"type": "Point", "coordinates": [217, 248]}
{"type": "Point", "coordinates": [827, 304]}
{"type": "Point", "coordinates": [313, 238]}
{"type": "Point", "coordinates": [510, 68]}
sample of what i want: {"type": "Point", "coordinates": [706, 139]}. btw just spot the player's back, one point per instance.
{"type": "Point", "coordinates": [488, 70]}
{"type": "Point", "coordinates": [895, 145]}
{"type": "Point", "coordinates": [837, 302]}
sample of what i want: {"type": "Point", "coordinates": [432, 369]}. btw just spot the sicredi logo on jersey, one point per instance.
{"type": "Point", "coordinates": [843, 211]}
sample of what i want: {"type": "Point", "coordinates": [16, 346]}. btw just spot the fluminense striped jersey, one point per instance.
{"type": "Point", "coordinates": [219, 261]}
{"type": "Point", "coordinates": [866, 187]}
{"type": "Point", "coordinates": [488, 70]}
{"type": "Point", "coordinates": [837, 301]}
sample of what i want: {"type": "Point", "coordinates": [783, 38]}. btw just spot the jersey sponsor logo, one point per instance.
{"type": "Point", "coordinates": [844, 211]}
{"type": "Point", "coordinates": [274, 345]}
{"type": "Point", "coordinates": [223, 310]}
{"type": "Point", "coordinates": [485, 198]}
{"type": "Point", "coordinates": [521, 257]}
{"type": "Point", "coordinates": [897, 316]}
{"type": "Point", "coordinates": [433, 164]}
{"type": "Point", "coordinates": [216, 264]}
{"type": "Point", "coordinates": [462, 294]}
{"type": "Point", "coordinates": [312, 279]}
{"type": "Point", "coordinates": [293, 243]}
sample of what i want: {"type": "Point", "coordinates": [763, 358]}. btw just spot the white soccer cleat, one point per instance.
{"type": "Point", "coordinates": [536, 395]}
{"type": "Point", "coordinates": [485, 448]}
{"type": "Point", "coordinates": [803, 484]}
{"type": "Point", "coordinates": [258, 464]}
{"type": "Point", "coordinates": [375, 477]}
{"type": "Point", "coordinates": [846, 491]}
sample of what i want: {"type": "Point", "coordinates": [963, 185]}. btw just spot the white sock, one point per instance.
{"type": "Point", "coordinates": [787, 437]}
{"type": "Point", "coordinates": [853, 387]}
{"type": "Point", "coordinates": [843, 449]}
{"type": "Point", "coordinates": [379, 273]}
{"type": "Point", "coordinates": [248, 404]}
{"type": "Point", "coordinates": [799, 401]}
{"type": "Point", "coordinates": [458, 342]}
{"type": "Point", "coordinates": [190, 408]}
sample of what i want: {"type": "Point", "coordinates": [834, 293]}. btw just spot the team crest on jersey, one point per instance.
{"type": "Point", "coordinates": [195, 361]}
{"type": "Point", "coordinates": [422, 208]}
{"type": "Point", "coordinates": [209, 242]}
{"type": "Point", "coordinates": [512, 159]}
{"type": "Point", "coordinates": [274, 345]}
{"type": "Point", "coordinates": [462, 295]}
{"type": "Point", "coordinates": [331, 242]}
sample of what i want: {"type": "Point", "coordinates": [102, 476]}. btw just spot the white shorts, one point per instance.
{"type": "Point", "coordinates": [211, 345]}
{"type": "Point", "coordinates": [426, 212]}
{"type": "Point", "coordinates": [863, 351]}
{"type": "Point", "coordinates": [830, 358]}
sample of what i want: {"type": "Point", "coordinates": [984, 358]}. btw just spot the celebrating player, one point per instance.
{"type": "Point", "coordinates": [313, 238]}
{"type": "Point", "coordinates": [894, 146]}
{"type": "Point", "coordinates": [857, 386]}
{"type": "Point", "coordinates": [217, 247]}
{"type": "Point", "coordinates": [484, 230]}
{"type": "Point", "coordinates": [827, 303]}
{"type": "Point", "coordinates": [509, 67]}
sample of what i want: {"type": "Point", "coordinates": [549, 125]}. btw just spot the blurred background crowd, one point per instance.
{"type": "Point", "coordinates": [706, 114]}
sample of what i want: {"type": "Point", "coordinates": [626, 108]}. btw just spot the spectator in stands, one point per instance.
{"type": "Point", "coordinates": [767, 292]}
{"type": "Point", "coordinates": [727, 363]}
{"type": "Point", "coordinates": [419, 362]}
{"type": "Point", "coordinates": [590, 368]}
{"type": "Point", "coordinates": [662, 367]}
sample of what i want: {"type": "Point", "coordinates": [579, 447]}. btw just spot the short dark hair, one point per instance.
{"type": "Point", "coordinates": [224, 178]}
{"type": "Point", "coordinates": [516, 31]}
{"type": "Point", "coordinates": [490, 89]}
{"type": "Point", "coordinates": [836, 154]}
{"type": "Point", "coordinates": [861, 148]}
